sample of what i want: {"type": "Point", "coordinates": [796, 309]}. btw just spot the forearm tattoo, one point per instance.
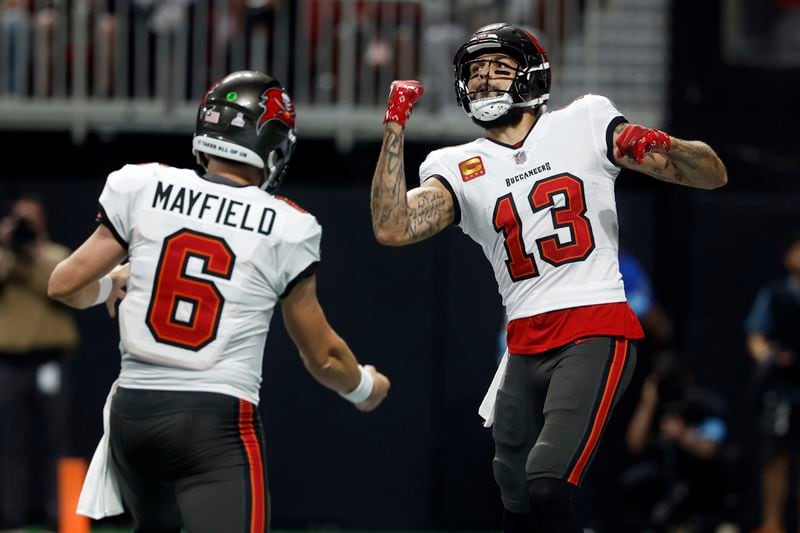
{"type": "Point", "coordinates": [388, 199]}
{"type": "Point", "coordinates": [698, 162]}
{"type": "Point", "coordinates": [668, 172]}
{"type": "Point", "coordinates": [408, 217]}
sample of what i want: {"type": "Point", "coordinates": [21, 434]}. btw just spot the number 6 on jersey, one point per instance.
{"type": "Point", "coordinates": [173, 286]}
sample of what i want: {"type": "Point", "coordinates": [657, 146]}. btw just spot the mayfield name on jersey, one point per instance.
{"type": "Point", "coordinates": [210, 260]}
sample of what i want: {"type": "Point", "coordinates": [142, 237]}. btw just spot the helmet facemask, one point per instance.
{"type": "Point", "coordinates": [277, 164]}
{"type": "Point", "coordinates": [530, 80]}
{"type": "Point", "coordinates": [488, 105]}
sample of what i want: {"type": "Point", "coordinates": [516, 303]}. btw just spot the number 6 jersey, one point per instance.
{"type": "Point", "coordinates": [209, 261]}
{"type": "Point", "coordinates": [544, 212]}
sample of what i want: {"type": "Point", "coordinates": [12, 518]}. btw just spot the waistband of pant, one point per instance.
{"type": "Point", "coordinates": [149, 402]}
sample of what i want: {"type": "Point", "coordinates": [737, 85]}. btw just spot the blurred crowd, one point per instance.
{"type": "Point", "coordinates": [148, 48]}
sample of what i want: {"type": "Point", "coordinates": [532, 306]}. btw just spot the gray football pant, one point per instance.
{"type": "Point", "coordinates": [551, 411]}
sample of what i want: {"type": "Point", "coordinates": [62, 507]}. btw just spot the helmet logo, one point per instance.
{"type": "Point", "coordinates": [277, 106]}
{"type": "Point", "coordinates": [238, 120]}
{"type": "Point", "coordinates": [211, 116]}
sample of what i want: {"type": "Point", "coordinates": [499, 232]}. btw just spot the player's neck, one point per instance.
{"type": "Point", "coordinates": [515, 133]}
{"type": "Point", "coordinates": [238, 173]}
{"type": "Point", "coordinates": [231, 176]}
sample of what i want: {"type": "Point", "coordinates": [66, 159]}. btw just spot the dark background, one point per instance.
{"type": "Point", "coordinates": [429, 315]}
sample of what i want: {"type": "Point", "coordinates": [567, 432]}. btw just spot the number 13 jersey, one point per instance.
{"type": "Point", "coordinates": [543, 211]}
{"type": "Point", "coordinates": [209, 262]}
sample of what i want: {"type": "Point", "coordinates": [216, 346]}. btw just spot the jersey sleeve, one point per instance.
{"type": "Point", "coordinates": [604, 117]}
{"type": "Point", "coordinates": [434, 168]}
{"type": "Point", "coordinates": [118, 200]}
{"type": "Point", "coordinates": [299, 257]}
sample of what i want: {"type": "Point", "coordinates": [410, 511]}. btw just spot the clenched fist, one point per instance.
{"type": "Point", "coordinates": [403, 94]}
{"type": "Point", "coordinates": [380, 388]}
{"type": "Point", "coordinates": [635, 141]}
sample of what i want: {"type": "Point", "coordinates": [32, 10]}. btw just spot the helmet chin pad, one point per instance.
{"type": "Point", "coordinates": [491, 108]}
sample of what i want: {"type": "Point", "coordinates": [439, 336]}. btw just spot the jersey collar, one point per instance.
{"type": "Point", "coordinates": [521, 142]}
{"type": "Point", "coordinates": [222, 180]}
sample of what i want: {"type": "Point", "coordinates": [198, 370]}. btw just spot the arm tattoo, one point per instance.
{"type": "Point", "coordinates": [388, 184]}
{"type": "Point", "coordinates": [427, 217]}
{"type": "Point", "coordinates": [398, 216]}
{"type": "Point", "coordinates": [697, 164]}
{"type": "Point", "coordinates": [668, 173]}
{"type": "Point", "coordinates": [690, 163]}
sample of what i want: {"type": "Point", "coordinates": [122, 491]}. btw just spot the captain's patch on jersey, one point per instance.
{"type": "Point", "coordinates": [471, 168]}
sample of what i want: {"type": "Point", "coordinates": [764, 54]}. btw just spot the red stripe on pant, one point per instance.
{"type": "Point", "coordinates": [601, 416]}
{"type": "Point", "coordinates": [249, 438]}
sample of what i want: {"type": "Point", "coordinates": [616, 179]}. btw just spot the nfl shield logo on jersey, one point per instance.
{"type": "Point", "coordinates": [520, 157]}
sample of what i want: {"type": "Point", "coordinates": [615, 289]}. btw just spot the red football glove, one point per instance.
{"type": "Point", "coordinates": [402, 97]}
{"type": "Point", "coordinates": [635, 141]}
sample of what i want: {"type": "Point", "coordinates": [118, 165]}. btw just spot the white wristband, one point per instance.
{"type": "Point", "coordinates": [364, 389]}
{"type": "Point", "coordinates": [105, 290]}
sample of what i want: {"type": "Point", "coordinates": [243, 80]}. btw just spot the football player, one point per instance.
{"type": "Point", "coordinates": [537, 194]}
{"type": "Point", "coordinates": [210, 258]}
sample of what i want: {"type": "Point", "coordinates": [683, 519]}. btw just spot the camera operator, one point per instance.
{"type": "Point", "coordinates": [679, 438]}
{"type": "Point", "coordinates": [35, 336]}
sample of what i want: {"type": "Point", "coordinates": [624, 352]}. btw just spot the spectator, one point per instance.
{"type": "Point", "coordinates": [35, 336]}
{"type": "Point", "coordinates": [773, 341]}
{"type": "Point", "coordinates": [15, 28]}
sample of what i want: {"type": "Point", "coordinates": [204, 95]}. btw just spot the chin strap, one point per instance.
{"type": "Point", "coordinates": [487, 109]}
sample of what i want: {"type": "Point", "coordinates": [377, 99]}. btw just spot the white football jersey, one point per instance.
{"type": "Point", "coordinates": [209, 262]}
{"type": "Point", "coordinates": [544, 212]}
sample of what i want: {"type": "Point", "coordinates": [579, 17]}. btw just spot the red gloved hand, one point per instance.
{"type": "Point", "coordinates": [402, 97]}
{"type": "Point", "coordinates": [635, 141]}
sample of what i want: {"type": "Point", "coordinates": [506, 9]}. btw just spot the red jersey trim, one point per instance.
{"type": "Point", "coordinates": [290, 202]}
{"type": "Point", "coordinates": [540, 333]}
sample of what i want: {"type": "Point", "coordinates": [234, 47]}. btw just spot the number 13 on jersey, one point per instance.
{"type": "Point", "coordinates": [506, 219]}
